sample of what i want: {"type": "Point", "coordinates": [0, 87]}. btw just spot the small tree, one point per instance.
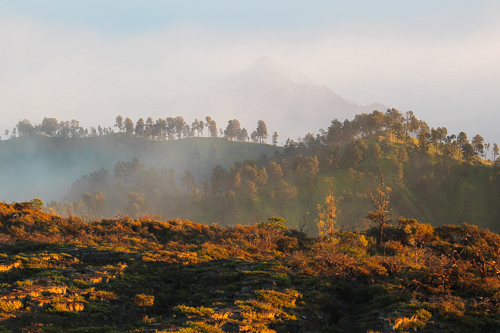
{"type": "Point", "coordinates": [213, 129]}
{"type": "Point", "coordinates": [119, 122]}
{"type": "Point", "coordinates": [140, 128]}
{"type": "Point", "coordinates": [495, 151]}
{"type": "Point", "coordinates": [327, 214]}
{"type": "Point", "coordinates": [208, 120]}
{"type": "Point", "coordinates": [275, 138]}
{"type": "Point", "coordinates": [129, 126]}
{"type": "Point", "coordinates": [188, 180]}
{"type": "Point", "coordinates": [179, 124]}
{"type": "Point", "coordinates": [232, 129]}
{"type": "Point", "coordinates": [261, 130]}
{"type": "Point", "coordinates": [49, 126]}
{"type": "Point", "coordinates": [379, 197]}
{"type": "Point", "coordinates": [37, 203]}
{"type": "Point", "coordinates": [478, 144]}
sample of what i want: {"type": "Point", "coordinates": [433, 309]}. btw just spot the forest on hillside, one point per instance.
{"type": "Point", "coordinates": [169, 128]}
{"type": "Point", "coordinates": [433, 175]}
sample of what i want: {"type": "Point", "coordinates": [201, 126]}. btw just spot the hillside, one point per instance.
{"type": "Point", "coordinates": [434, 178]}
{"type": "Point", "coordinates": [143, 275]}
{"type": "Point", "coordinates": [39, 166]}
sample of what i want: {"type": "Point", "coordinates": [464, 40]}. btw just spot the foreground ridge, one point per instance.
{"type": "Point", "coordinates": [148, 275]}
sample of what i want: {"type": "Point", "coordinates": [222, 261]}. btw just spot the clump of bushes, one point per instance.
{"type": "Point", "coordinates": [144, 300]}
{"type": "Point", "coordinates": [10, 306]}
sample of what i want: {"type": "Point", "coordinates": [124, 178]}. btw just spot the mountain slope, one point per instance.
{"type": "Point", "coordinates": [287, 100]}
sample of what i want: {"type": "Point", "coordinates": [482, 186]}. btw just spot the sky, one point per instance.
{"type": "Point", "coordinates": [92, 60]}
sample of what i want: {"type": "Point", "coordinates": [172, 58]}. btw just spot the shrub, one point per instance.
{"type": "Point", "coordinates": [278, 299]}
{"type": "Point", "coordinates": [37, 203]}
{"type": "Point", "coordinates": [9, 306]}
{"type": "Point", "coordinates": [417, 321]}
{"type": "Point", "coordinates": [286, 243]}
{"type": "Point", "coordinates": [277, 223]}
{"type": "Point", "coordinates": [450, 306]}
{"type": "Point", "coordinates": [63, 307]}
{"type": "Point", "coordinates": [144, 300]}
{"type": "Point", "coordinates": [23, 283]}
{"type": "Point", "coordinates": [352, 243]}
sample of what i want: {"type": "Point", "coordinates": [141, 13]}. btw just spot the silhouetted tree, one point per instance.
{"type": "Point", "coordinates": [188, 181]}
{"type": "Point", "coordinates": [49, 126]}
{"type": "Point", "coordinates": [213, 129]}
{"type": "Point", "coordinates": [179, 126]}
{"type": "Point", "coordinates": [24, 127]}
{"type": "Point", "coordinates": [119, 122]}
{"type": "Point", "coordinates": [149, 128]}
{"type": "Point", "coordinates": [75, 130]}
{"type": "Point", "coordinates": [462, 140]}
{"type": "Point", "coordinates": [129, 126]}
{"type": "Point", "coordinates": [478, 144]}
{"type": "Point", "coordinates": [275, 138]}
{"type": "Point", "coordinates": [495, 151]}
{"type": "Point", "coordinates": [379, 197]}
{"type": "Point", "coordinates": [261, 130]}
{"type": "Point", "coordinates": [140, 129]}
{"type": "Point", "coordinates": [468, 152]}
{"type": "Point", "coordinates": [232, 129]}
{"type": "Point", "coordinates": [208, 122]}
{"type": "Point", "coordinates": [242, 135]}
{"type": "Point", "coordinates": [217, 180]}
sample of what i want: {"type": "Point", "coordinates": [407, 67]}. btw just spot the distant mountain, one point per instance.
{"type": "Point", "coordinates": [288, 101]}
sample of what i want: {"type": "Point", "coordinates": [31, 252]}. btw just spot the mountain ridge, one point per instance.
{"type": "Point", "coordinates": [274, 93]}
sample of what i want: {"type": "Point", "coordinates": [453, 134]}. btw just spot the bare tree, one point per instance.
{"type": "Point", "coordinates": [379, 197]}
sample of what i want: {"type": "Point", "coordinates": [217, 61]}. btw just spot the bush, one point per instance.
{"type": "Point", "coordinates": [278, 299]}
{"type": "Point", "coordinates": [144, 300]}
{"type": "Point", "coordinates": [9, 306]}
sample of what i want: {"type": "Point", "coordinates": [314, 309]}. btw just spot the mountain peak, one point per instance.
{"type": "Point", "coordinates": [264, 66]}
{"type": "Point", "coordinates": [265, 60]}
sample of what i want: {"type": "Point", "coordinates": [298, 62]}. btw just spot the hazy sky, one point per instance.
{"type": "Point", "coordinates": [92, 60]}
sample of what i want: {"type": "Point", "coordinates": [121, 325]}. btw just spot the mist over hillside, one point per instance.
{"type": "Point", "coordinates": [288, 100]}
{"type": "Point", "coordinates": [38, 166]}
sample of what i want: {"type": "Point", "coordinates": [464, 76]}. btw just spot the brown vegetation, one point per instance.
{"type": "Point", "coordinates": [189, 277]}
